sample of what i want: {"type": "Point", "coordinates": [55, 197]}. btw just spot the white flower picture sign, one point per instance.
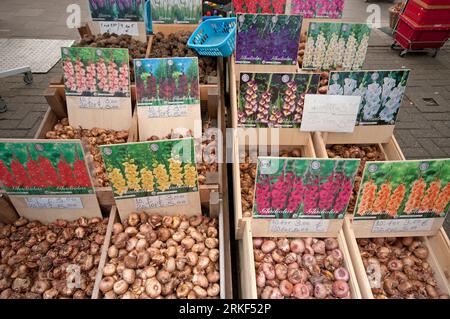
{"type": "Point", "coordinates": [381, 93]}
{"type": "Point", "coordinates": [336, 45]}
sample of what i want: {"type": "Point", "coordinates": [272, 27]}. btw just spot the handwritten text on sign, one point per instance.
{"type": "Point", "coordinates": [160, 201]}
{"type": "Point", "coordinates": [403, 225]}
{"type": "Point", "coordinates": [167, 111]}
{"type": "Point", "coordinates": [54, 202]}
{"type": "Point", "coordinates": [129, 28]}
{"type": "Point", "coordinates": [299, 225]}
{"type": "Point", "coordinates": [105, 103]}
{"type": "Point", "coordinates": [330, 113]}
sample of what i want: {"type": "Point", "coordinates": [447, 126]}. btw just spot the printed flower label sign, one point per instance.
{"type": "Point", "coordinates": [268, 39]}
{"type": "Point", "coordinates": [274, 99]}
{"type": "Point", "coordinates": [336, 45]}
{"type": "Point", "coordinates": [151, 168]}
{"type": "Point", "coordinates": [176, 11]}
{"type": "Point", "coordinates": [318, 8]}
{"type": "Point", "coordinates": [303, 188]}
{"type": "Point", "coordinates": [404, 190]}
{"type": "Point", "coordinates": [381, 93]}
{"type": "Point", "coordinates": [259, 6]}
{"type": "Point", "coordinates": [96, 72]}
{"type": "Point", "coordinates": [117, 10]}
{"type": "Point", "coordinates": [43, 168]}
{"type": "Point", "coordinates": [168, 81]}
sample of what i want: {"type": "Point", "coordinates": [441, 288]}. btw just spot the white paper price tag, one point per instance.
{"type": "Point", "coordinates": [96, 102]}
{"type": "Point", "coordinates": [402, 225]}
{"type": "Point", "coordinates": [330, 113]}
{"type": "Point", "coordinates": [119, 27]}
{"type": "Point", "coordinates": [167, 111]}
{"type": "Point", "coordinates": [160, 201]}
{"type": "Point", "coordinates": [55, 202]}
{"type": "Point", "coordinates": [173, 200]}
{"type": "Point", "coordinates": [299, 225]}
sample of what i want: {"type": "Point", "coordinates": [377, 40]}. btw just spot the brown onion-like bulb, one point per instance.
{"type": "Point", "coordinates": [129, 275]}
{"type": "Point", "coordinates": [109, 270]}
{"type": "Point", "coordinates": [117, 228]}
{"type": "Point", "coordinates": [308, 260]}
{"type": "Point", "coordinates": [407, 241]}
{"type": "Point", "coordinates": [268, 246]}
{"type": "Point", "coordinates": [260, 279]}
{"type": "Point", "coordinates": [133, 219]}
{"type": "Point", "coordinates": [213, 290]}
{"type": "Point", "coordinates": [395, 265]}
{"type": "Point", "coordinates": [268, 270]}
{"type": "Point", "coordinates": [286, 288]}
{"type": "Point", "coordinates": [153, 288]}
{"type": "Point", "coordinates": [331, 243]}
{"type": "Point", "coordinates": [297, 246]}
{"type": "Point", "coordinates": [319, 247]}
{"type": "Point", "coordinates": [340, 289]}
{"type": "Point", "coordinates": [320, 291]}
{"type": "Point", "coordinates": [341, 273]}
{"type": "Point", "coordinates": [281, 271]}
{"type": "Point", "coordinates": [257, 242]}
{"type": "Point", "coordinates": [301, 291]}
{"type": "Point", "coordinates": [421, 252]}
{"type": "Point", "coordinates": [120, 287]}
{"type": "Point", "coordinates": [213, 276]}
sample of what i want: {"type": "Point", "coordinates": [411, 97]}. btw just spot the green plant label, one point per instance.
{"type": "Point", "coordinates": [303, 188]}
{"type": "Point", "coordinates": [117, 10]}
{"type": "Point", "coordinates": [96, 72]}
{"type": "Point", "coordinates": [151, 168]}
{"type": "Point", "coordinates": [274, 99]}
{"type": "Point", "coordinates": [168, 81]}
{"type": "Point", "coordinates": [336, 45]}
{"type": "Point", "coordinates": [44, 168]}
{"type": "Point", "coordinates": [381, 93]}
{"type": "Point", "coordinates": [404, 189]}
{"type": "Point", "coordinates": [176, 11]}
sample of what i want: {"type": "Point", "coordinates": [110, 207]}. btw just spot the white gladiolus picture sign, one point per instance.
{"type": "Point", "coordinates": [331, 46]}
{"type": "Point", "coordinates": [381, 93]}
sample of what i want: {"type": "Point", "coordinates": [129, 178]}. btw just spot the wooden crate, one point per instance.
{"type": "Point", "coordinates": [262, 136]}
{"type": "Point", "coordinates": [439, 252]}
{"type": "Point", "coordinates": [388, 144]}
{"type": "Point", "coordinates": [8, 213]}
{"type": "Point", "coordinates": [213, 82]}
{"type": "Point", "coordinates": [225, 277]}
{"type": "Point", "coordinates": [247, 275]}
{"type": "Point", "coordinates": [239, 149]}
{"type": "Point", "coordinates": [56, 99]}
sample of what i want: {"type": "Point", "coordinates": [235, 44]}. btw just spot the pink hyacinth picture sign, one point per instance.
{"type": "Point", "coordinates": [318, 8]}
{"type": "Point", "coordinates": [303, 188]}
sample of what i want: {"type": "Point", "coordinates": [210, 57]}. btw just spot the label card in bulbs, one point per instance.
{"type": "Point", "coordinates": [167, 96]}
{"type": "Point", "coordinates": [97, 87]}
{"type": "Point", "coordinates": [404, 190]}
{"type": "Point", "coordinates": [119, 28]}
{"type": "Point", "coordinates": [153, 175]}
{"type": "Point", "coordinates": [290, 188]}
{"type": "Point", "coordinates": [39, 175]}
{"type": "Point", "coordinates": [323, 113]}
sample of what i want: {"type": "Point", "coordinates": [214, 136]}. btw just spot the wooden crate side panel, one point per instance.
{"type": "Point", "coordinates": [353, 282]}
{"type": "Point", "coordinates": [104, 252]}
{"type": "Point", "coordinates": [440, 245]}
{"type": "Point", "coordinates": [362, 135]}
{"type": "Point", "coordinates": [90, 209]}
{"type": "Point", "coordinates": [439, 273]}
{"type": "Point", "coordinates": [47, 124]}
{"type": "Point", "coordinates": [358, 266]}
{"type": "Point", "coordinates": [247, 264]}
{"type": "Point", "coordinates": [167, 29]}
{"type": "Point", "coordinates": [56, 102]}
{"type": "Point", "coordinates": [392, 150]}
{"type": "Point", "coordinates": [261, 228]}
{"type": "Point", "coordinates": [8, 214]}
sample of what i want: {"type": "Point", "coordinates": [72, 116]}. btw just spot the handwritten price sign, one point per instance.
{"type": "Point", "coordinates": [403, 225]}
{"type": "Point", "coordinates": [129, 28]}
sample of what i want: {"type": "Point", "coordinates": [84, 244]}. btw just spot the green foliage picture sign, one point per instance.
{"type": "Point", "coordinates": [303, 188]}
{"type": "Point", "coordinates": [404, 189]}
{"type": "Point", "coordinates": [43, 167]}
{"type": "Point", "coordinates": [151, 168]}
{"type": "Point", "coordinates": [167, 81]}
{"type": "Point", "coordinates": [176, 11]}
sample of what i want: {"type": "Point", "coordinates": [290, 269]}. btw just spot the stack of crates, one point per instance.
{"type": "Point", "coordinates": [424, 24]}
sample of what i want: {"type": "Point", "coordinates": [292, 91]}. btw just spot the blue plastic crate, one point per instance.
{"type": "Point", "coordinates": [214, 37]}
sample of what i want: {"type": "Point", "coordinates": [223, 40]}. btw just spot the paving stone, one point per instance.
{"type": "Point", "coordinates": [407, 139]}
{"type": "Point", "coordinates": [443, 127]}
{"type": "Point", "coordinates": [425, 133]}
{"type": "Point", "coordinates": [30, 120]}
{"type": "Point", "coordinates": [8, 124]}
{"type": "Point", "coordinates": [444, 142]}
{"type": "Point", "coordinates": [415, 153]}
{"type": "Point", "coordinates": [12, 133]}
{"type": "Point", "coordinates": [431, 148]}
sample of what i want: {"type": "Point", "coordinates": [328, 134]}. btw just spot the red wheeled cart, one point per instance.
{"type": "Point", "coordinates": [422, 26]}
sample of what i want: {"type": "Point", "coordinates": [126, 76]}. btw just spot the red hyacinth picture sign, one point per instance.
{"type": "Point", "coordinates": [302, 188]}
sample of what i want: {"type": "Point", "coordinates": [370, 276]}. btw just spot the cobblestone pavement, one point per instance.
{"type": "Point", "coordinates": [423, 129]}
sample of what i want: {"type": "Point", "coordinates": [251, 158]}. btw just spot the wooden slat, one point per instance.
{"type": "Point", "coordinates": [56, 102]}
{"type": "Point", "coordinates": [47, 124]}
{"type": "Point", "coordinates": [247, 274]}
{"type": "Point", "coordinates": [8, 214]}
{"type": "Point", "coordinates": [104, 252]}
{"type": "Point", "coordinates": [353, 281]}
